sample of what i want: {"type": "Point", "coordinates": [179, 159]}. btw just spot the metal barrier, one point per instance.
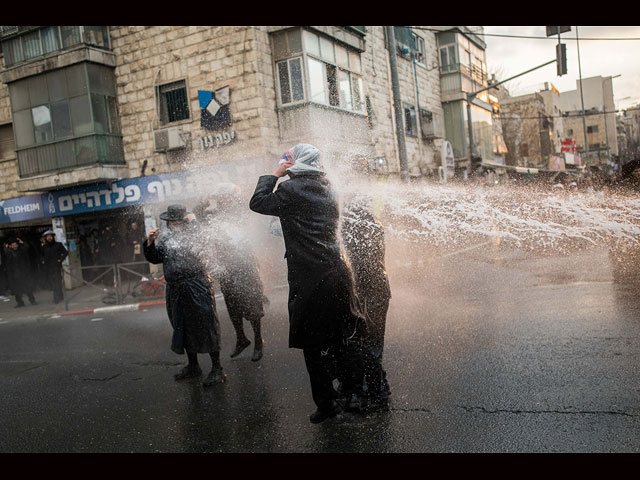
{"type": "Point", "coordinates": [116, 290]}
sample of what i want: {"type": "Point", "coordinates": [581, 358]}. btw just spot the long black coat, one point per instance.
{"type": "Point", "coordinates": [189, 291]}
{"type": "Point", "coordinates": [53, 254]}
{"type": "Point", "coordinates": [363, 240]}
{"type": "Point", "coordinates": [19, 269]}
{"type": "Point", "coordinates": [323, 306]}
{"type": "Point", "coordinates": [236, 269]}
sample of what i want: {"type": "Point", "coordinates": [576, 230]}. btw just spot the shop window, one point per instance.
{"type": "Point", "coordinates": [173, 102]}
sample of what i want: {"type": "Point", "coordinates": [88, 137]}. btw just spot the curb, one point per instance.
{"type": "Point", "coordinates": [117, 308]}
{"type": "Point", "coordinates": [138, 306]}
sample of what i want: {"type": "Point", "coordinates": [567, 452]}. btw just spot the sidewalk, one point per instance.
{"type": "Point", "coordinates": [82, 300]}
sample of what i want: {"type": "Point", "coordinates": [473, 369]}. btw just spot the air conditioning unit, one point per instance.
{"type": "Point", "coordinates": [169, 139]}
{"type": "Point", "coordinates": [432, 125]}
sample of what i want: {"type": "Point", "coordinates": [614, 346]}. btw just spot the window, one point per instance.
{"type": "Point", "coordinates": [173, 102]}
{"type": "Point", "coordinates": [290, 80]}
{"type": "Point", "coordinates": [569, 131]}
{"type": "Point", "coordinates": [448, 58]}
{"type": "Point", "coordinates": [592, 129]}
{"type": "Point", "coordinates": [421, 53]}
{"type": "Point", "coordinates": [63, 115]}
{"type": "Point", "coordinates": [45, 40]}
{"type": "Point", "coordinates": [410, 122]}
{"type": "Point", "coordinates": [321, 70]}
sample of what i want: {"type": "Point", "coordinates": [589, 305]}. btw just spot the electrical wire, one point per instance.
{"type": "Point", "coordinates": [426, 29]}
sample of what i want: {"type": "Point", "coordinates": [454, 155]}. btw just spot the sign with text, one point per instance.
{"type": "Point", "coordinates": [178, 186]}
{"type": "Point", "coordinates": [448, 161]}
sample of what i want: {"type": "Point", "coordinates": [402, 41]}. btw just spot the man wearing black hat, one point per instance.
{"type": "Point", "coordinates": [19, 271]}
{"type": "Point", "coordinates": [189, 292]}
{"type": "Point", "coordinates": [53, 254]}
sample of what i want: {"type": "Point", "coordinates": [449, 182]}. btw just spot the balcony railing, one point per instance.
{"type": "Point", "coordinates": [474, 72]}
{"type": "Point", "coordinates": [70, 154]}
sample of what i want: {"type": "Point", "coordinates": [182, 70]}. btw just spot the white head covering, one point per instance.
{"type": "Point", "coordinates": [306, 160]}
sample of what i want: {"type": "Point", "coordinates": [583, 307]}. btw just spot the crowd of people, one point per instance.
{"type": "Point", "coordinates": [106, 246]}
{"type": "Point", "coordinates": [22, 266]}
{"type": "Point", "coordinates": [338, 288]}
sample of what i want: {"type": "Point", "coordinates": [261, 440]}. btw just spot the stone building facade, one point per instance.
{"type": "Point", "coordinates": [220, 103]}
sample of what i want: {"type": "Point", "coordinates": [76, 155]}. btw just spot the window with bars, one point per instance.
{"type": "Point", "coordinates": [173, 102]}
{"type": "Point", "coordinates": [410, 120]}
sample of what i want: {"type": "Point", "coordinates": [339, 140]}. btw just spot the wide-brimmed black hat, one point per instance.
{"type": "Point", "coordinates": [174, 213]}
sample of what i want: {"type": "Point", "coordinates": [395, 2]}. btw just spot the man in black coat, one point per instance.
{"type": "Point", "coordinates": [189, 292]}
{"type": "Point", "coordinates": [19, 271]}
{"type": "Point", "coordinates": [53, 254]}
{"type": "Point", "coordinates": [363, 239]}
{"type": "Point", "coordinates": [235, 266]}
{"type": "Point", "coordinates": [323, 314]}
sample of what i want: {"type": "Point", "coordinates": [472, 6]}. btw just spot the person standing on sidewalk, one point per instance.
{"type": "Point", "coordinates": [53, 254]}
{"type": "Point", "coordinates": [189, 292]}
{"type": "Point", "coordinates": [324, 318]}
{"type": "Point", "coordinates": [19, 271]}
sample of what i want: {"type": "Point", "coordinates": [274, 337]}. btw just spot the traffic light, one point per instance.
{"type": "Point", "coordinates": [561, 59]}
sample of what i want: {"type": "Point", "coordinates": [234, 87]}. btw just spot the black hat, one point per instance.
{"type": "Point", "coordinates": [174, 213]}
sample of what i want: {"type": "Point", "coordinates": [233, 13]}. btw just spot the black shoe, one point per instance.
{"type": "Point", "coordinates": [257, 352]}
{"type": "Point", "coordinates": [215, 377]}
{"type": "Point", "coordinates": [321, 415]}
{"type": "Point", "coordinates": [190, 371]}
{"type": "Point", "coordinates": [240, 346]}
{"type": "Point", "coordinates": [19, 305]}
{"type": "Point", "coordinates": [33, 302]}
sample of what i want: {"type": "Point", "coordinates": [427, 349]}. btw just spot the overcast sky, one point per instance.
{"type": "Point", "coordinates": [509, 56]}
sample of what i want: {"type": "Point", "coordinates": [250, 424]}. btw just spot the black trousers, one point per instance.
{"type": "Point", "coordinates": [333, 361]}
{"type": "Point", "coordinates": [55, 283]}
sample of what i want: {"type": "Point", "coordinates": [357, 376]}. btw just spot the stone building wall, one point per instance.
{"type": "Point", "coordinates": [421, 154]}
{"type": "Point", "coordinates": [8, 165]}
{"type": "Point", "coordinates": [239, 57]}
{"type": "Point", "coordinates": [208, 58]}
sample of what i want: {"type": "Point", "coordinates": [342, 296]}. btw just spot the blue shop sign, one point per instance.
{"type": "Point", "coordinates": [123, 193]}
{"type": "Point", "coordinates": [177, 187]}
{"type": "Point", "coordinates": [21, 209]}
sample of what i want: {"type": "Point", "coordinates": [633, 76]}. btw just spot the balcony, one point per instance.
{"type": "Point", "coordinates": [79, 160]}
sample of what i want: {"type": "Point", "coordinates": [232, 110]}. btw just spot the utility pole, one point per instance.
{"type": "Point", "coordinates": [584, 121]}
{"type": "Point", "coordinates": [397, 103]}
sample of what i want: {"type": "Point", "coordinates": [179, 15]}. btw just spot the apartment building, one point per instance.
{"type": "Point", "coordinates": [599, 119]}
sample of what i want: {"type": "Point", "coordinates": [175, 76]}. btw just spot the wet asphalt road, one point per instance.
{"type": "Point", "coordinates": [492, 350]}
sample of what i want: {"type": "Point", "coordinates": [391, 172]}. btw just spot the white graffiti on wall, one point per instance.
{"type": "Point", "coordinates": [216, 140]}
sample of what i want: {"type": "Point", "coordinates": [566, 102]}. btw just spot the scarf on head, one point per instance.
{"type": "Point", "coordinates": [305, 160]}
